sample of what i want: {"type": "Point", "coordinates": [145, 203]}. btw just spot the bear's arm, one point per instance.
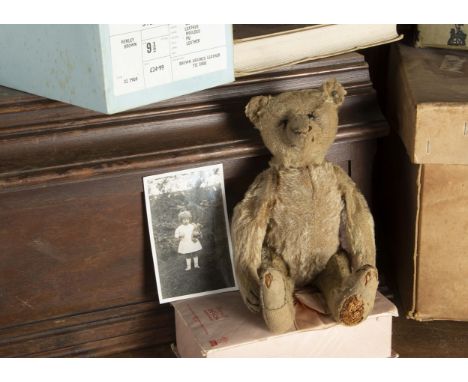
{"type": "Point", "coordinates": [248, 228]}
{"type": "Point", "coordinates": [357, 222]}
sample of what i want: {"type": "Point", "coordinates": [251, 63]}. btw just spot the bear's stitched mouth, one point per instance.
{"type": "Point", "coordinates": [298, 144]}
{"type": "Point", "coordinates": [301, 131]}
{"type": "Point", "coordinates": [298, 139]}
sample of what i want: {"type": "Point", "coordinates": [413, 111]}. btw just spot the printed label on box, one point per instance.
{"type": "Point", "coordinates": [148, 55]}
{"type": "Point", "coordinates": [215, 314]}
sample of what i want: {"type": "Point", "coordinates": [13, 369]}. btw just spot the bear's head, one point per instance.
{"type": "Point", "coordinates": [298, 127]}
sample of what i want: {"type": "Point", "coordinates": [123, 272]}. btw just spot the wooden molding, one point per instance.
{"type": "Point", "coordinates": [76, 272]}
{"type": "Point", "coordinates": [44, 141]}
{"type": "Point", "coordinates": [96, 333]}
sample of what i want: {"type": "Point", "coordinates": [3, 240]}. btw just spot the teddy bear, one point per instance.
{"type": "Point", "coordinates": [303, 222]}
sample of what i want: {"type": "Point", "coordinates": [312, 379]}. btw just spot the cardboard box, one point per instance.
{"type": "Point", "coordinates": [221, 326]}
{"type": "Point", "coordinates": [429, 204]}
{"type": "Point", "coordinates": [451, 36]}
{"type": "Point", "coordinates": [429, 99]}
{"type": "Point", "coordinates": [428, 104]}
{"type": "Point", "coordinates": [112, 68]}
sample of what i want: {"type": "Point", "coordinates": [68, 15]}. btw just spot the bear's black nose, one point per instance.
{"type": "Point", "coordinates": [300, 131]}
{"type": "Point", "coordinates": [299, 125]}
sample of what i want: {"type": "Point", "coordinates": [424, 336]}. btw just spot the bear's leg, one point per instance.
{"type": "Point", "coordinates": [276, 296]}
{"type": "Point", "coordinates": [349, 295]}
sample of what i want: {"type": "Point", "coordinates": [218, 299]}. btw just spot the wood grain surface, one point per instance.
{"type": "Point", "coordinates": [76, 272]}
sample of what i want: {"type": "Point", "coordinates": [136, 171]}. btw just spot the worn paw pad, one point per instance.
{"type": "Point", "coordinates": [352, 312]}
{"type": "Point", "coordinates": [273, 292]}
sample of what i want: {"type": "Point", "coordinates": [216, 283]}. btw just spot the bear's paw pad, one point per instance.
{"type": "Point", "coordinates": [352, 312]}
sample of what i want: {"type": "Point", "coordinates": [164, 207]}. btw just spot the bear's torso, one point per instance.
{"type": "Point", "coordinates": [305, 219]}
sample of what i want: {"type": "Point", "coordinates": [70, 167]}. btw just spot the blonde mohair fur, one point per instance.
{"type": "Point", "coordinates": [303, 221]}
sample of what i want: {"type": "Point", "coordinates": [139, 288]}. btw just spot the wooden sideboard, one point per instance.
{"type": "Point", "coordinates": [76, 272]}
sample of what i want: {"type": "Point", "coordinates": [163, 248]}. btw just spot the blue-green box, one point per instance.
{"type": "Point", "coordinates": [112, 68]}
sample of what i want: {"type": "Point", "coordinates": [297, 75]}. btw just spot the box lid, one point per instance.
{"type": "Point", "coordinates": [432, 103]}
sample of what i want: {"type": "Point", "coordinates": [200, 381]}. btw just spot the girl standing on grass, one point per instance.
{"type": "Point", "coordinates": [189, 245]}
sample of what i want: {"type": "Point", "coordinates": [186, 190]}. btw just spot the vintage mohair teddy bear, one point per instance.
{"type": "Point", "coordinates": [303, 221]}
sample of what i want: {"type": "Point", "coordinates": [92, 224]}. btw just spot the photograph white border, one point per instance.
{"type": "Point", "coordinates": [146, 179]}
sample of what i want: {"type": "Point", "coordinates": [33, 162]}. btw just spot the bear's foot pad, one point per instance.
{"type": "Point", "coordinates": [352, 312]}
{"type": "Point", "coordinates": [277, 302]}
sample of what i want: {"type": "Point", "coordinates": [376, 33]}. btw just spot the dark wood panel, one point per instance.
{"type": "Point", "coordinates": [44, 141]}
{"type": "Point", "coordinates": [160, 351]}
{"type": "Point", "coordinates": [96, 333]}
{"type": "Point", "coordinates": [350, 69]}
{"type": "Point", "coordinates": [82, 246]}
{"type": "Point", "coordinates": [241, 31]}
{"type": "Point", "coordinates": [76, 272]}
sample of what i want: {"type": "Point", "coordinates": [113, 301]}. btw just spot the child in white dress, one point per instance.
{"type": "Point", "coordinates": [189, 245]}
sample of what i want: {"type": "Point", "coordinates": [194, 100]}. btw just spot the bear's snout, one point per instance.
{"type": "Point", "coordinates": [301, 131]}
{"type": "Point", "coordinates": [299, 125]}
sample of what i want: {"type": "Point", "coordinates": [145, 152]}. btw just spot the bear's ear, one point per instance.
{"type": "Point", "coordinates": [333, 91]}
{"type": "Point", "coordinates": [255, 108]}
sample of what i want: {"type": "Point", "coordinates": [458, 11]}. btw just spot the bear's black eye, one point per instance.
{"type": "Point", "coordinates": [283, 123]}
{"type": "Point", "coordinates": [312, 116]}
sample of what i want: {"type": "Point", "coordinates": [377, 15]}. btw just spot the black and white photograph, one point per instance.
{"type": "Point", "coordinates": [189, 233]}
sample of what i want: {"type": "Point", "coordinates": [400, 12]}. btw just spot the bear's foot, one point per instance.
{"type": "Point", "coordinates": [357, 299]}
{"type": "Point", "coordinates": [277, 301]}
{"type": "Point", "coordinates": [349, 295]}
{"type": "Point", "coordinates": [352, 312]}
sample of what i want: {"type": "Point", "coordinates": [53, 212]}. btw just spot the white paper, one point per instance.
{"type": "Point", "coordinates": [145, 56]}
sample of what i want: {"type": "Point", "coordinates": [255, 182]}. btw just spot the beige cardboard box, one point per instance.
{"type": "Point", "coordinates": [452, 36]}
{"type": "Point", "coordinates": [429, 99]}
{"type": "Point", "coordinates": [428, 107]}
{"type": "Point", "coordinates": [441, 281]}
{"type": "Point", "coordinates": [221, 326]}
{"type": "Point", "coordinates": [430, 210]}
